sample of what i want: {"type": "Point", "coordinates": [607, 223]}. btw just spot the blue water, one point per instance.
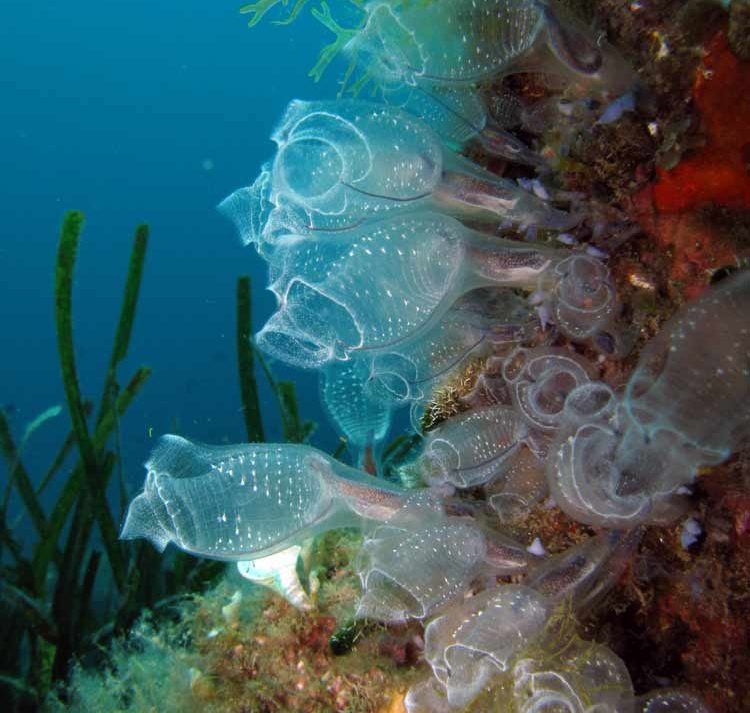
{"type": "Point", "coordinates": [139, 111]}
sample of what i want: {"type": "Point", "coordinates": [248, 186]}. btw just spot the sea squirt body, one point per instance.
{"type": "Point", "coordinates": [247, 501]}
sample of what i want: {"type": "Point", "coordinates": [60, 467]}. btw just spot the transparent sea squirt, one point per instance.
{"type": "Point", "coordinates": [249, 501]}
{"type": "Point", "coordinates": [618, 462]}
{"type": "Point", "coordinates": [340, 163]}
{"type": "Point", "coordinates": [459, 42]}
{"type": "Point", "coordinates": [384, 283]}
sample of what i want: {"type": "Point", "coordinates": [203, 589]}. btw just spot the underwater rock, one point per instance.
{"type": "Point", "coordinates": [716, 173]}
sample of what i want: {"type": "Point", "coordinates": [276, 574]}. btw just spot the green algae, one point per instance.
{"type": "Point", "coordinates": [246, 364]}
{"type": "Point", "coordinates": [49, 616]}
{"type": "Point", "coordinates": [92, 471]}
{"type": "Point", "coordinates": [49, 594]}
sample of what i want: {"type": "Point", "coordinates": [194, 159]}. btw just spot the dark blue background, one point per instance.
{"type": "Point", "coordinates": [139, 111]}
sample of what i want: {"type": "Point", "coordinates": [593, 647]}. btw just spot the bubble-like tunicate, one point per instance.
{"type": "Point", "coordinates": [339, 164]}
{"type": "Point", "coordinates": [250, 208]}
{"type": "Point", "coordinates": [477, 323]}
{"type": "Point", "coordinates": [458, 115]}
{"type": "Point", "coordinates": [585, 678]}
{"type": "Point", "coordinates": [441, 41]}
{"type": "Point", "coordinates": [669, 700]}
{"type": "Point", "coordinates": [427, 696]}
{"type": "Point", "coordinates": [584, 298]}
{"type": "Point", "coordinates": [417, 562]}
{"type": "Point", "coordinates": [617, 463]}
{"type": "Point", "coordinates": [248, 501]}
{"type": "Point", "coordinates": [363, 421]}
{"type": "Point", "coordinates": [584, 573]}
{"type": "Point", "coordinates": [523, 485]}
{"type": "Point", "coordinates": [601, 470]}
{"type": "Point", "coordinates": [478, 640]}
{"type": "Point", "coordinates": [379, 285]}
{"type": "Point", "coordinates": [331, 160]}
{"type": "Point", "coordinates": [472, 448]}
{"type": "Point", "coordinates": [693, 378]}
{"type": "Point", "coordinates": [540, 380]}
{"type": "Point", "coordinates": [370, 288]}
{"type": "Point", "coordinates": [466, 41]}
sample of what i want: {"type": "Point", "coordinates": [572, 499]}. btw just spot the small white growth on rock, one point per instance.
{"type": "Point", "coordinates": [691, 531]}
{"type": "Point", "coordinates": [537, 548]}
{"type": "Point", "coordinates": [231, 612]}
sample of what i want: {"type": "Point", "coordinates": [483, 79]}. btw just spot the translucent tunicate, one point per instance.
{"type": "Point", "coordinates": [247, 501]}
{"type": "Point", "coordinates": [475, 325]}
{"type": "Point", "coordinates": [693, 378]}
{"type": "Point", "coordinates": [250, 208]}
{"type": "Point", "coordinates": [466, 41]}
{"type": "Point", "coordinates": [616, 464]}
{"type": "Point", "coordinates": [602, 472]}
{"type": "Point", "coordinates": [586, 572]}
{"type": "Point", "coordinates": [670, 700]}
{"type": "Point", "coordinates": [332, 160]}
{"type": "Point", "coordinates": [363, 420]}
{"type": "Point", "coordinates": [377, 286]}
{"type": "Point", "coordinates": [584, 297]}
{"type": "Point", "coordinates": [420, 559]}
{"type": "Point", "coordinates": [583, 57]}
{"type": "Point", "coordinates": [522, 486]}
{"type": "Point", "coordinates": [341, 163]}
{"type": "Point", "coordinates": [472, 448]}
{"type": "Point", "coordinates": [476, 641]}
{"type": "Point", "coordinates": [540, 381]}
{"type": "Point", "coordinates": [474, 194]}
{"type": "Point", "coordinates": [427, 696]}
{"type": "Point", "coordinates": [444, 40]}
{"type": "Point", "coordinates": [458, 115]}
{"type": "Point", "coordinates": [585, 678]}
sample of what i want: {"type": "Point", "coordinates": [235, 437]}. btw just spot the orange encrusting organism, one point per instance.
{"type": "Point", "coordinates": [720, 171]}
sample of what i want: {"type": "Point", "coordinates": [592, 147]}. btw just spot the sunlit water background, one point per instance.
{"type": "Point", "coordinates": [139, 111]}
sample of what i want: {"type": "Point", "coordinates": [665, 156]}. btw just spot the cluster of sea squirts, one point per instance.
{"type": "Point", "coordinates": [382, 247]}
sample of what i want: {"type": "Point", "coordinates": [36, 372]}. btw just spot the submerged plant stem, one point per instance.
{"type": "Point", "coordinates": [246, 364]}
{"type": "Point", "coordinates": [66, 257]}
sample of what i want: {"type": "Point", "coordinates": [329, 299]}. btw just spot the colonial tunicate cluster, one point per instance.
{"type": "Point", "coordinates": [383, 252]}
